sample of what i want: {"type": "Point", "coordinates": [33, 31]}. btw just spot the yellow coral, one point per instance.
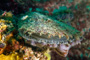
{"type": "Point", "coordinates": [3, 27]}
{"type": "Point", "coordinates": [13, 56]}
{"type": "Point", "coordinates": [9, 14]}
{"type": "Point", "coordinates": [3, 21]}
{"type": "Point", "coordinates": [47, 54]}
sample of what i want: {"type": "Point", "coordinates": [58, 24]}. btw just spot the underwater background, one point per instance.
{"type": "Point", "coordinates": [44, 29]}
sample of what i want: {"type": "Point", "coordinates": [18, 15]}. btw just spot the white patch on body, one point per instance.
{"type": "Point", "coordinates": [24, 17]}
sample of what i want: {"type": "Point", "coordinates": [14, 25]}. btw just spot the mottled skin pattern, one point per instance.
{"type": "Point", "coordinates": [39, 29]}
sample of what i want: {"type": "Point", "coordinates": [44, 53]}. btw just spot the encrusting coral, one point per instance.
{"type": "Point", "coordinates": [12, 56]}
{"type": "Point", "coordinates": [5, 37]}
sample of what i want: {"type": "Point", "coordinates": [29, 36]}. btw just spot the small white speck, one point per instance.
{"type": "Point", "coordinates": [24, 17]}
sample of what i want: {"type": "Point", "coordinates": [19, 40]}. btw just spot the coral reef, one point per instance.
{"type": "Point", "coordinates": [46, 33]}
{"type": "Point", "coordinates": [9, 46]}
{"type": "Point", "coordinates": [3, 37]}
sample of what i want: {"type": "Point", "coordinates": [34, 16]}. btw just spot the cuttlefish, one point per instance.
{"type": "Point", "coordinates": [40, 30]}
